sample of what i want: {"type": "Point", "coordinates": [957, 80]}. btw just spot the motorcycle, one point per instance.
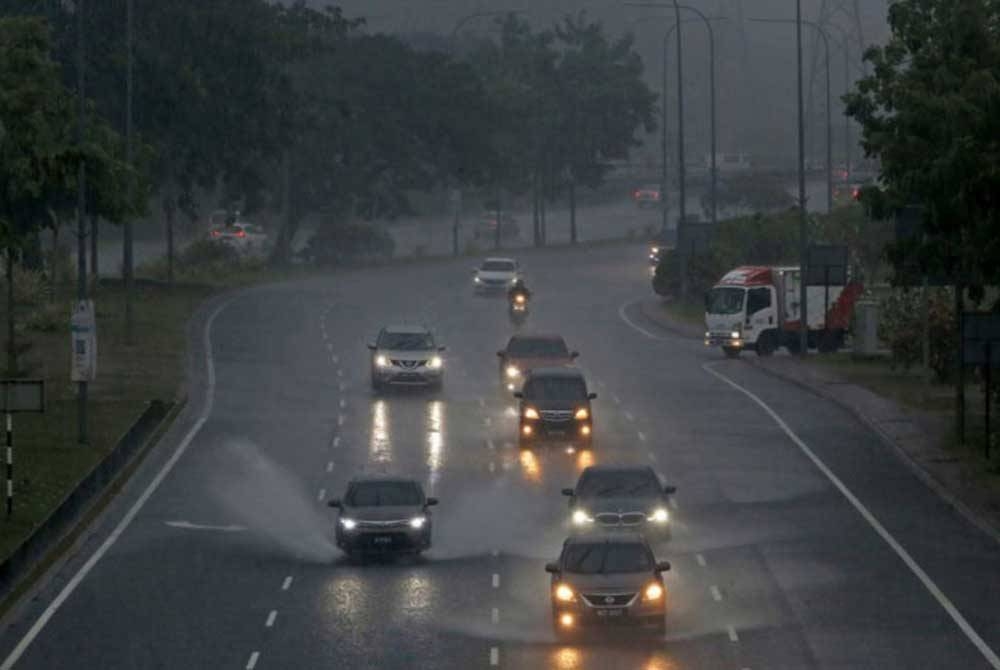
{"type": "Point", "coordinates": [517, 310]}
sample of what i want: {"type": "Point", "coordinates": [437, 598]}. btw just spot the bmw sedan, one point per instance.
{"type": "Point", "coordinates": [614, 497]}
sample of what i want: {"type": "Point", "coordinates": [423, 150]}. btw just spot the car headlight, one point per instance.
{"type": "Point", "coordinates": [435, 363]}
{"type": "Point", "coordinates": [530, 413]}
{"type": "Point", "coordinates": [659, 515]}
{"type": "Point", "coordinates": [381, 362]}
{"type": "Point", "coordinates": [513, 281]}
{"type": "Point", "coordinates": [512, 371]}
{"type": "Point", "coordinates": [654, 250]}
{"type": "Point", "coordinates": [565, 594]}
{"type": "Point", "coordinates": [735, 334]}
{"type": "Point", "coordinates": [581, 518]}
{"type": "Point", "coordinates": [418, 522]}
{"type": "Point", "coordinates": [476, 279]}
{"type": "Point", "coordinates": [653, 592]}
{"type": "Point", "coordinates": [582, 414]}
{"type": "Point", "coordinates": [519, 299]}
{"type": "Point", "coordinates": [348, 524]}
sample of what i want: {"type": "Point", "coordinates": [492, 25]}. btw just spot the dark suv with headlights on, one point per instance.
{"type": "Point", "coordinates": [406, 356]}
{"type": "Point", "coordinates": [614, 497]}
{"type": "Point", "coordinates": [383, 515]}
{"type": "Point", "coordinates": [526, 352]}
{"type": "Point", "coordinates": [555, 406]}
{"type": "Point", "coordinates": [612, 579]}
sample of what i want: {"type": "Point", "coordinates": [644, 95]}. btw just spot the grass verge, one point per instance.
{"type": "Point", "coordinates": [686, 312]}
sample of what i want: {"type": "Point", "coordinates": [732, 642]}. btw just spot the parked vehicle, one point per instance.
{"type": "Point", "coordinates": [758, 308]}
{"type": "Point", "coordinates": [246, 238]}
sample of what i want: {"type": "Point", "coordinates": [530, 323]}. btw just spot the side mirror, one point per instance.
{"type": "Point", "coordinates": [500, 354]}
{"type": "Point", "coordinates": [567, 492]}
{"type": "Point", "coordinates": [430, 502]}
{"type": "Point", "coordinates": [670, 490]}
{"type": "Point", "coordinates": [574, 354]}
{"type": "Point", "coordinates": [552, 568]}
{"type": "Point", "coordinates": [663, 566]}
{"type": "Point", "coordinates": [592, 396]}
{"type": "Point", "coordinates": [371, 345]}
{"type": "Point", "coordinates": [442, 348]}
{"type": "Point", "coordinates": [334, 503]}
{"type": "Point", "coordinates": [518, 394]}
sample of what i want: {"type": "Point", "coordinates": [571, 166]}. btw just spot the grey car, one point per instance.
{"type": "Point", "coordinates": [406, 355]}
{"type": "Point", "coordinates": [615, 497]}
{"type": "Point", "coordinates": [607, 579]}
{"type": "Point", "coordinates": [383, 515]}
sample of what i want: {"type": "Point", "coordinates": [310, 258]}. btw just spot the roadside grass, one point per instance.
{"type": "Point", "coordinates": [48, 461]}
{"type": "Point", "coordinates": [687, 312]}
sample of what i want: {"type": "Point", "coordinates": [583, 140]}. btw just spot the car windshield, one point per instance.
{"type": "Point", "coordinates": [497, 266]}
{"type": "Point", "coordinates": [537, 347]}
{"type": "Point", "coordinates": [555, 389]}
{"type": "Point", "coordinates": [406, 341]}
{"type": "Point", "coordinates": [618, 483]}
{"type": "Point", "coordinates": [725, 300]}
{"type": "Point", "coordinates": [384, 494]}
{"type": "Point", "coordinates": [606, 558]}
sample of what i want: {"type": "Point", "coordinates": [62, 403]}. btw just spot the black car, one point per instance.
{"type": "Point", "coordinates": [610, 497]}
{"type": "Point", "coordinates": [612, 579]}
{"type": "Point", "coordinates": [383, 515]}
{"type": "Point", "coordinates": [555, 406]}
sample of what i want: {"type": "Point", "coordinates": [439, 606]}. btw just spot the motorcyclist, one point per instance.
{"type": "Point", "coordinates": [516, 289]}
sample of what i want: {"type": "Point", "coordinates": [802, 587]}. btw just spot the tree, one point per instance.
{"type": "Point", "coordinates": [929, 113]}
{"type": "Point", "coordinates": [38, 156]}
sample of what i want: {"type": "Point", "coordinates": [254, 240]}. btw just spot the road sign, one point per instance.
{"type": "Point", "coordinates": [83, 334]}
{"type": "Point", "coordinates": [981, 339]}
{"type": "Point", "coordinates": [826, 265]}
{"type": "Point", "coordinates": [22, 395]}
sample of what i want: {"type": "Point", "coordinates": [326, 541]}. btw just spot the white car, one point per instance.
{"type": "Point", "coordinates": [496, 275]}
{"type": "Point", "coordinates": [246, 238]}
{"type": "Point", "coordinates": [406, 355]}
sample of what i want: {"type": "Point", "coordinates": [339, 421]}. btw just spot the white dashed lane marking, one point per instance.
{"type": "Point", "coordinates": [733, 637]}
{"type": "Point", "coordinates": [270, 618]}
{"type": "Point", "coordinates": [336, 442]}
{"type": "Point", "coordinates": [700, 559]}
{"type": "Point", "coordinates": [494, 656]}
{"type": "Point", "coordinates": [343, 404]}
{"type": "Point", "coordinates": [252, 663]}
{"type": "Point", "coordinates": [642, 436]}
{"type": "Point", "coordinates": [716, 594]}
{"type": "Point", "coordinates": [285, 585]}
{"type": "Point", "coordinates": [321, 495]}
{"type": "Point", "coordinates": [329, 466]}
{"type": "Point", "coordinates": [495, 615]}
{"type": "Point", "coordinates": [340, 420]}
{"type": "Point", "coordinates": [629, 416]}
{"type": "Point", "coordinates": [674, 503]}
{"type": "Point", "coordinates": [496, 580]}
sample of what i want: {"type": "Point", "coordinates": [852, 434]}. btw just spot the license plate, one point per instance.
{"type": "Point", "coordinates": [557, 433]}
{"type": "Point", "coordinates": [610, 612]}
{"type": "Point", "coordinates": [382, 540]}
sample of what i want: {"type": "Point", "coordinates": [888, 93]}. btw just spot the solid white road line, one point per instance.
{"type": "Point", "coordinates": [716, 594]}
{"type": "Point", "coordinates": [633, 324]}
{"type": "Point", "coordinates": [494, 656]}
{"type": "Point", "coordinates": [496, 580]}
{"type": "Point", "coordinates": [285, 585]}
{"type": "Point", "coordinates": [700, 559]}
{"type": "Point", "coordinates": [733, 637]}
{"type": "Point", "coordinates": [270, 618]}
{"type": "Point", "coordinates": [932, 588]}
{"type": "Point", "coordinates": [74, 582]}
{"type": "Point", "coordinates": [252, 663]}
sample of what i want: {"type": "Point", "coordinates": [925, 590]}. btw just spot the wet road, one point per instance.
{"type": "Point", "coordinates": [786, 546]}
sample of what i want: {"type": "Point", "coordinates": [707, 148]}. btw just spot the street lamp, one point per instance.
{"type": "Point", "coordinates": [81, 203]}
{"type": "Point", "coordinates": [829, 120]}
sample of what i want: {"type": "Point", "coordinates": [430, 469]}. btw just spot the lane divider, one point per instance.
{"type": "Point", "coordinates": [252, 663]}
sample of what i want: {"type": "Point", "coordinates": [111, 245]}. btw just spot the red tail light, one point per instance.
{"type": "Point", "coordinates": [241, 233]}
{"type": "Point", "coordinates": [856, 194]}
{"type": "Point", "coordinates": [215, 233]}
{"type": "Point", "coordinates": [635, 194]}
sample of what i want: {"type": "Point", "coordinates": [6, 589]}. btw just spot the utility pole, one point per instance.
{"type": "Point", "coordinates": [681, 169]}
{"type": "Point", "coordinates": [803, 218]}
{"type": "Point", "coordinates": [127, 259]}
{"type": "Point", "coordinates": [81, 203]}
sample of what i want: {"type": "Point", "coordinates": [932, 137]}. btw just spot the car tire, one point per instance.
{"type": "Point", "coordinates": [766, 344]}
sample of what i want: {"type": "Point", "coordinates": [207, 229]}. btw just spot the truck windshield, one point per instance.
{"type": "Point", "coordinates": [726, 300]}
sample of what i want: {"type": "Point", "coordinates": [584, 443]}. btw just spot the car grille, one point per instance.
{"type": "Point", "coordinates": [409, 365]}
{"type": "Point", "coordinates": [620, 519]}
{"type": "Point", "coordinates": [386, 525]}
{"type": "Point", "coordinates": [405, 377]}
{"type": "Point", "coordinates": [609, 599]}
{"type": "Point", "coordinates": [556, 415]}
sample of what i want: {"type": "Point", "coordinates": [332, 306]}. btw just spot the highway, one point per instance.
{"type": "Point", "coordinates": [800, 541]}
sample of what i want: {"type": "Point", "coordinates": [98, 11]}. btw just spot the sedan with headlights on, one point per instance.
{"type": "Point", "coordinates": [406, 356]}
{"type": "Point", "coordinates": [611, 579]}
{"type": "Point", "coordinates": [524, 353]}
{"type": "Point", "coordinates": [615, 497]}
{"type": "Point", "coordinates": [383, 515]}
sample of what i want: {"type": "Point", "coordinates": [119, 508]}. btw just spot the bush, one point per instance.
{"type": "Point", "coordinates": [31, 287]}
{"type": "Point", "coordinates": [48, 318]}
{"type": "Point", "coordinates": [349, 243]}
{"type": "Point", "coordinates": [207, 252]}
{"type": "Point", "coordinates": [901, 327]}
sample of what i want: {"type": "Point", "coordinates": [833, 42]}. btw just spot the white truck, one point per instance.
{"type": "Point", "coordinates": [757, 307]}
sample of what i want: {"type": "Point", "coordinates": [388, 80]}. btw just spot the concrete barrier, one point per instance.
{"type": "Point", "coordinates": [79, 500]}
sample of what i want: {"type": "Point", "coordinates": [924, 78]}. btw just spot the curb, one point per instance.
{"type": "Point", "coordinates": [79, 501]}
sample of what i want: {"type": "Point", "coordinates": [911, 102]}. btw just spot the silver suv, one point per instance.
{"type": "Point", "coordinates": [406, 356]}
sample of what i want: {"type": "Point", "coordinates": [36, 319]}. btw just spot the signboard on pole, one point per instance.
{"type": "Point", "coordinates": [83, 334]}
{"type": "Point", "coordinates": [981, 339]}
{"type": "Point", "coordinates": [22, 395]}
{"type": "Point", "coordinates": [826, 265]}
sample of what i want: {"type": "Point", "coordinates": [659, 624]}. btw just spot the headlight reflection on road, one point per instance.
{"type": "Point", "coordinates": [416, 594]}
{"type": "Point", "coordinates": [435, 441]}
{"type": "Point", "coordinates": [530, 466]}
{"type": "Point", "coordinates": [584, 459]}
{"type": "Point", "coordinates": [381, 446]}
{"type": "Point", "coordinates": [344, 598]}
{"type": "Point", "coordinates": [567, 658]}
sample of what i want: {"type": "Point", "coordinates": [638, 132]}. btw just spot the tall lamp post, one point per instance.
{"type": "Point", "coordinates": [81, 203]}
{"type": "Point", "coordinates": [127, 269]}
{"type": "Point", "coordinates": [829, 117]}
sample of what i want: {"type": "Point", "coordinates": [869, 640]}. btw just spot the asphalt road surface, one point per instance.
{"type": "Point", "coordinates": [799, 544]}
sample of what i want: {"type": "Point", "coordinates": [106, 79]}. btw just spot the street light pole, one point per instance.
{"type": "Point", "coordinates": [803, 220]}
{"type": "Point", "coordinates": [127, 269]}
{"type": "Point", "coordinates": [81, 203]}
{"type": "Point", "coordinates": [829, 116]}
{"type": "Point", "coordinates": [681, 169]}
